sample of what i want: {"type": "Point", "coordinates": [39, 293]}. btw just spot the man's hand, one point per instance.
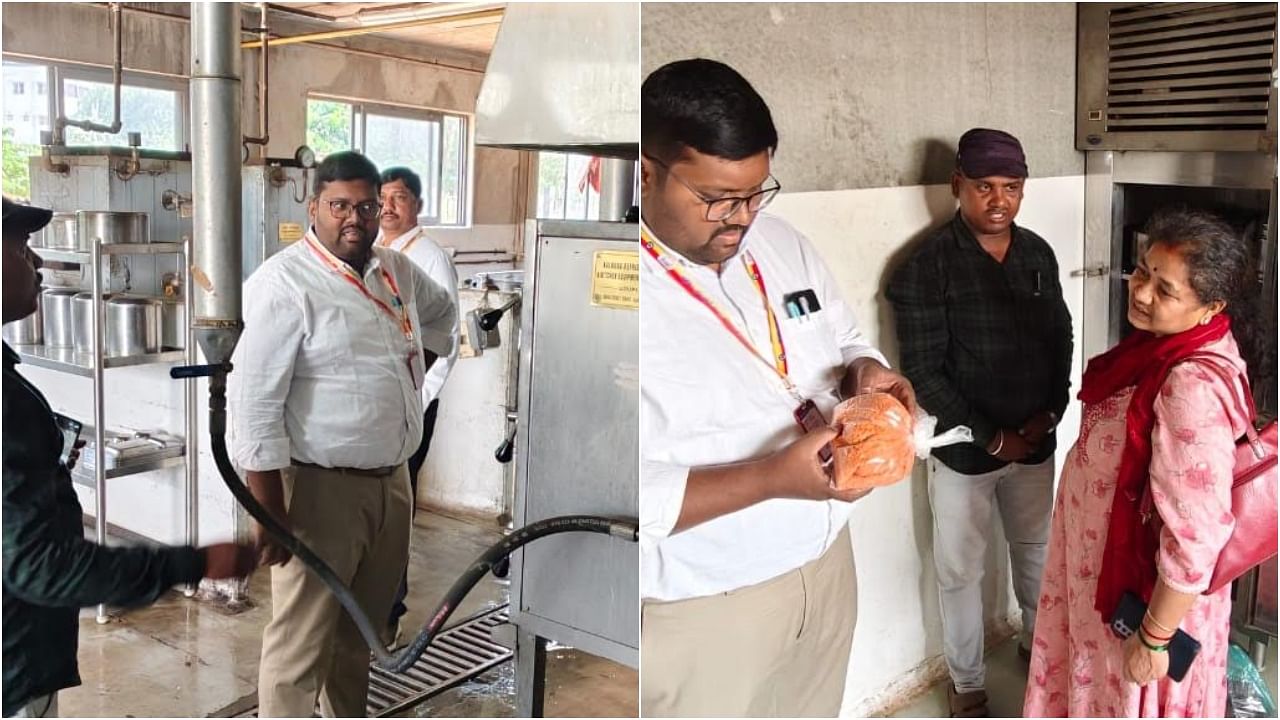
{"type": "Point", "coordinates": [74, 455]}
{"type": "Point", "coordinates": [228, 560]}
{"type": "Point", "coordinates": [270, 552]}
{"type": "Point", "coordinates": [796, 471]}
{"type": "Point", "coordinates": [1035, 430]}
{"type": "Point", "coordinates": [268, 490]}
{"type": "Point", "coordinates": [1009, 446]}
{"type": "Point", "coordinates": [866, 375]}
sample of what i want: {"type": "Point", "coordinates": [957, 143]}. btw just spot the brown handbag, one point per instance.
{"type": "Point", "coordinates": [1253, 487]}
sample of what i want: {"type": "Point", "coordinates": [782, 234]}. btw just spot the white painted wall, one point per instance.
{"type": "Point", "coordinates": [861, 233]}
{"type": "Point", "coordinates": [460, 473]}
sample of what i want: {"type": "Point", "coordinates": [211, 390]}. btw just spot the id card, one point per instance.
{"type": "Point", "coordinates": [809, 417]}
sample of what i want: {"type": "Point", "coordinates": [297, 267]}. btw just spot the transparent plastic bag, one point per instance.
{"type": "Point", "coordinates": [1246, 689]}
{"type": "Point", "coordinates": [878, 441]}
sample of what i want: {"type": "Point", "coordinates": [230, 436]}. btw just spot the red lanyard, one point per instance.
{"type": "Point", "coordinates": [406, 326]}
{"type": "Point", "coordinates": [779, 364]}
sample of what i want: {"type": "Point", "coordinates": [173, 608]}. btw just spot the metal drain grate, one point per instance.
{"type": "Point", "coordinates": [458, 654]}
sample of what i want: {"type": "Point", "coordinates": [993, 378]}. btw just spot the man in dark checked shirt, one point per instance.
{"type": "Point", "coordinates": [986, 339]}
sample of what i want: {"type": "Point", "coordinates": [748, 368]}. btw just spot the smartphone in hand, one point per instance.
{"type": "Point", "coordinates": [1182, 647]}
{"type": "Point", "coordinates": [70, 428]}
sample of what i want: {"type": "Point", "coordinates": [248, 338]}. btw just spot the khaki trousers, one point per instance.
{"type": "Point", "coordinates": [311, 649]}
{"type": "Point", "coordinates": [776, 649]}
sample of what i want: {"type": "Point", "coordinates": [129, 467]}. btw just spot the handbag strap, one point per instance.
{"type": "Point", "coordinates": [1244, 407]}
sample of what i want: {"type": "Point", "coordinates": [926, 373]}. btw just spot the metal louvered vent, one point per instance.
{"type": "Point", "coordinates": [1177, 76]}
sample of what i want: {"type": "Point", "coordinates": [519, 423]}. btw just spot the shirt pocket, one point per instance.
{"type": "Point", "coordinates": [814, 361]}
{"type": "Point", "coordinates": [329, 346]}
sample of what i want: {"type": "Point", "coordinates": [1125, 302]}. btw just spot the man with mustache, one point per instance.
{"type": "Point", "coordinates": [326, 407]}
{"type": "Point", "coordinates": [747, 577]}
{"type": "Point", "coordinates": [401, 196]}
{"type": "Point", "coordinates": [986, 339]}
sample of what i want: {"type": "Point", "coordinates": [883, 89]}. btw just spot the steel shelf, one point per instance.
{"type": "Point", "coordinates": [134, 468]}
{"type": "Point", "coordinates": [83, 258]}
{"type": "Point", "coordinates": [69, 361]}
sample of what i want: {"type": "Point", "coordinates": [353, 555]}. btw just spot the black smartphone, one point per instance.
{"type": "Point", "coordinates": [1182, 647]}
{"type": "Point", "coordinates": [70, 428]}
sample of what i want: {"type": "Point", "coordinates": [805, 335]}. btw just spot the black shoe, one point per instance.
{"type": "Point", "coordinates": [1024, 654]}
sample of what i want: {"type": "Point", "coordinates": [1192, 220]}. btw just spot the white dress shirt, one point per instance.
{"type": "Point", "coordinates": [433, 260]}
{"type": "Point", "coordinates": [706, 400]}
{"type": "Point", "coordinates": [321, 373]}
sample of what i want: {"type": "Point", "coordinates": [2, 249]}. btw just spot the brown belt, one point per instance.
{"type": "Point", "coordinates": [361, 472]}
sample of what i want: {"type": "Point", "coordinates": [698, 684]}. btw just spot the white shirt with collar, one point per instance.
{"type": "Point", "coordinates": [706, 400]}
{"type": "Point", "coordinates": [321, 373]}
{"type": "Point", "coordinates": [435, 261]}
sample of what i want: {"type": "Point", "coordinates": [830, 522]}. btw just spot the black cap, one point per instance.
{"type": "Point", "coordinates": [22, 220]}
{"type": "Point", "coordinates": [984, 153]}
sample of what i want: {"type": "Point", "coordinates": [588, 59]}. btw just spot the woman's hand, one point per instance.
{"type": "Point", "coordinates": [1142, 666]}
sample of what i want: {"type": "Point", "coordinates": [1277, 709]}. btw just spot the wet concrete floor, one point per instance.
{"type": "Point", "coordinates": [186, 658]}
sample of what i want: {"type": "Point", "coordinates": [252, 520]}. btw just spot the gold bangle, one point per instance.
{"type": "Point", "coordinates": [1158, 624]}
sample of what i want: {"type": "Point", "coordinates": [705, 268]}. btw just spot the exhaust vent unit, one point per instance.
{"type": "Point", "coordinates": [1177, 76]}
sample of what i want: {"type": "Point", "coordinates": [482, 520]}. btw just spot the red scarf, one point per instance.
{"type": "Point", "coordinates": [1144, 360]}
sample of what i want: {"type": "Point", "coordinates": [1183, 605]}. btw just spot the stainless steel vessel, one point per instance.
{"type": "Point", "coordinates": [60, 233]}
{"type": "Point", "coordinates": [59, 322]}
{"type": "Point", "coordinates": [173, 324]}
{"type": "Point", "coordinates": [111, 228]}
{"type": "Point", "coordinates": [133, 326]}
{"type": "Point", "coordinates": [26, 331]}
{"type": "Point", "coordinates": [82, 321]}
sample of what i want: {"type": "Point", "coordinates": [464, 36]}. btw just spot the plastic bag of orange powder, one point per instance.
{"type": "Point", "coordinates": [879, 441]}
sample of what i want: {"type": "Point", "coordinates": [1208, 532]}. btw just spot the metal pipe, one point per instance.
{"type": "Point", "coordinates": [263, 102]}
{"type": "Point", "coordinates": [617, 188]}
{"type": "Point", "coordinates": [99, 410]}
{"type": "Point", "coordinates": [215, 177]}
{"type": "Point", "coordinates": [368, 29]}
{"type": "Point", "coordinates": [193, 420]}
{"type": "Point", "coordinates": [61, 122]}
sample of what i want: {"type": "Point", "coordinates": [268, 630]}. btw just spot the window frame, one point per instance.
{"type": "Point", "coordinates": [57, 71]}
{"type": "Point", "coordinates": [361, 109]}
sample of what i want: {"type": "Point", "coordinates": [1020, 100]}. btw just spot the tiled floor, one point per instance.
{"type": "Point", "coordinates": [183, 658]}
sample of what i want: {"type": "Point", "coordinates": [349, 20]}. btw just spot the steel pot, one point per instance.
{"type": "Point", "coordinates": [173, 324]}
{"type": "Point", "coordinates": [59, 317]}
{"type": "Point", "coordinates": [133, 326]}
{"type": "Point", "coordinates": [60, 233]}
{"type": "Point", "coordinates": [82, 320]}
{"type": "Point", "coordinates": [26, 331]}
{"type": "Point", "coordinates": [111, 227]}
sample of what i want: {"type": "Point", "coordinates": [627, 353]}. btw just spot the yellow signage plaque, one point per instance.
{"type": "Point", "coordinates": [615, 280]}
{"type": "Point", "coordinates": [290, 232]}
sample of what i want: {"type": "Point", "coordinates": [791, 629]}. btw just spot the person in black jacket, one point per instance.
{"type": "Point", "coordinates": [986, 340]}
{"type": "Point", "coordinates": [50, 570]}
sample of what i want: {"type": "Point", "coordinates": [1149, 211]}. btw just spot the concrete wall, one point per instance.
{"type": "Point", "coordinates": [869, 100]}
{"type": "Point", "coordinates": [870, 94]}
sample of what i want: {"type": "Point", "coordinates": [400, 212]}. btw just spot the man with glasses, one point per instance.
{"type": "Point", "coordinates": [401, 197]}
{"type": "Point", "coordinates": [326, 407]}
{"type": "Point", "coordinates": [747, 571]}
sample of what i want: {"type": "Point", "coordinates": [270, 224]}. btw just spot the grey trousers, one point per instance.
{"type": "Point", "coordinates": [962, 528]}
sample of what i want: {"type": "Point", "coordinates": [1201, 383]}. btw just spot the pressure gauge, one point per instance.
{"type": "Point", "coordinates": [305, 156]}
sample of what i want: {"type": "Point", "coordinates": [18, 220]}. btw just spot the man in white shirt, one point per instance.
{"type": "Point", "coordinates": [747, 578]}
{"type": "Point", "coordinates": [326, 407]}
{"type": "Point", "coordinates": [401, 196]}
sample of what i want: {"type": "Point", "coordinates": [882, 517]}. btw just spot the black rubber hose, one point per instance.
{"type": "Point", "coordinates": [625, 529]}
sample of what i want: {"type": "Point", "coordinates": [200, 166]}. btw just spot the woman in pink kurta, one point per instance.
{"type": "Point", "coordinates": [1078, 666]}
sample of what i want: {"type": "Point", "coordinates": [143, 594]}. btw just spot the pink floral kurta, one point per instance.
{"type": "Point", "coordinates": [1077, 665]}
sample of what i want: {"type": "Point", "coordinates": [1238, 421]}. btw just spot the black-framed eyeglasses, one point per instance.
{"type": "Point", "coordinates": [341, 209]}
{"type": "Point", "coordinates": [719, 209]}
